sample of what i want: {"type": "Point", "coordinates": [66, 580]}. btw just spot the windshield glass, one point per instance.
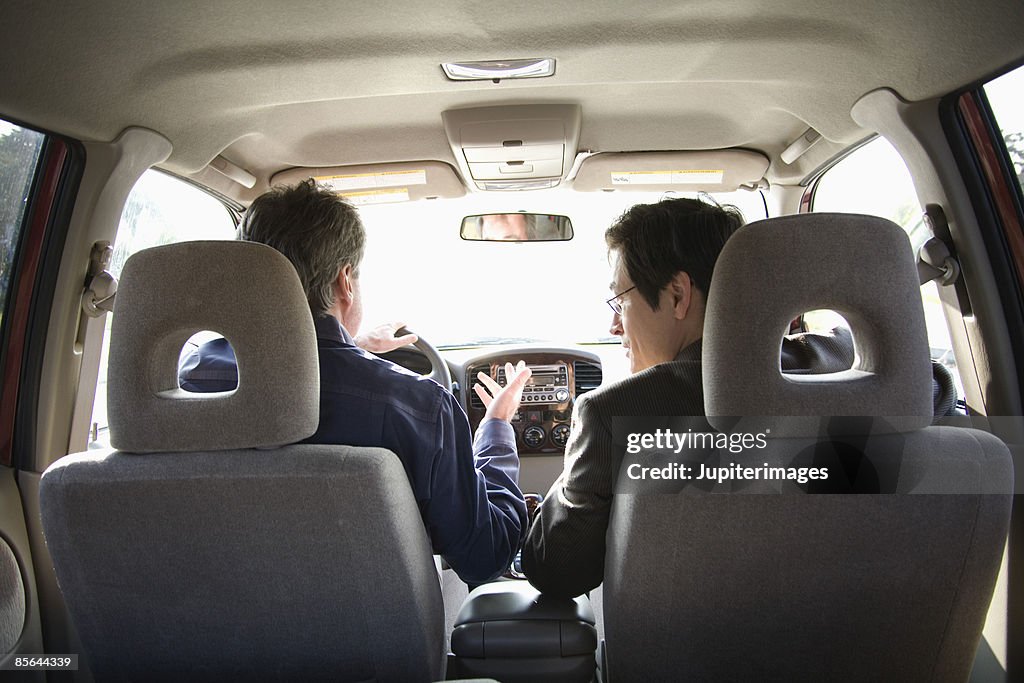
{"type": "Point", "coordinates": [418, 270]}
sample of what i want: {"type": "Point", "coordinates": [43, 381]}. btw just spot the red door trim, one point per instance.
{"type": "Point", "coordinates": [31, 250]}
{"type": "Point", "coordinates": [989, 157]}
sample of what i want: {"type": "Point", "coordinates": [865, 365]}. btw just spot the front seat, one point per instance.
{"type": "Point", "coordinates": [209, 546]}
{"type": "Point", "coordinates": [885, 571]}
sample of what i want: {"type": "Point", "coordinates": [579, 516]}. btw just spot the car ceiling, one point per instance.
{"type": "Point", "coordinates": [275, 85]}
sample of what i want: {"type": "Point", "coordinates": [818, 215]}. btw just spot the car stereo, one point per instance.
{"type": "Point", "coordinates": [549, 384]}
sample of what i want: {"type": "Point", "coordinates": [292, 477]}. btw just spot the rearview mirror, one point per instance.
{"type": "Point", "coordinates": [516, 227]}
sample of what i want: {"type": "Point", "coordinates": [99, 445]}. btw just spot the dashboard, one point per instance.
{"type": "Point", "coordinates": [559, 377]}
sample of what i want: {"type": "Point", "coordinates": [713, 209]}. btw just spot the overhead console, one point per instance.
{"type": "Point", "coordinates": [521, 147]}
{"type": "Point", "coordinates": [716, 170]}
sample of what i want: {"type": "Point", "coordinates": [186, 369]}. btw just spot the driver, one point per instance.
{"type": "Point", "coordinates": [466, 488]}
{"type": "Point", "coordinates": [507, 227]}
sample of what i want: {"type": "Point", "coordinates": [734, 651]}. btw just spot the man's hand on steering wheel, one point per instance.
{"type": "Point", "coordinates": [503, 402]}
{"type": "Point", "coordinates": [382, 339]}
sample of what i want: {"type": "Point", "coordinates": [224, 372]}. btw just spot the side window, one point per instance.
{"type": "Point", "coordinates": [1007, 105]}
{"type": "Point", "coordinates": [20, 150]}
{"type": "Point", "coordinates": [161, 209]}
{"type": "Point", "coordinates": [874, 180]}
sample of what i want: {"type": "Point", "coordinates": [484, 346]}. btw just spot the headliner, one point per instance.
{"type": "Point", "coordinates": [308, 84]}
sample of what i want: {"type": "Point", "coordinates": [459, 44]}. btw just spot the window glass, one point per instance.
{"type": "Point", "coordinates": [874, 180]}
{"type": "Point", "coordinates": [445, 287]}
{"type": "Point", "coordinates": [161, 209]}
{"type": "Point", "coordinates": [1004, 96]}
{"type": "Point", "coordinates": [19, 155]}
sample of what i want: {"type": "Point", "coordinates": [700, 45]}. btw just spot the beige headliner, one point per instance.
{"type": "Point", "coordinates": [271, 86]}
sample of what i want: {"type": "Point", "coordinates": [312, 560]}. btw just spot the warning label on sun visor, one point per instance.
{"type": "Point", "coordinates": [359, 181]}
{"type": "Point", "coordinates": [400, 194]}
{"type": "Point", "coordinates": [678, 177]}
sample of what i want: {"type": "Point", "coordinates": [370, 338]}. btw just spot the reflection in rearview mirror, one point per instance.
{"type": "Point", "coordinates": [516, 227]}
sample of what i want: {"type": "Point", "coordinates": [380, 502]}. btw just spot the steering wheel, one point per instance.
{"type": "Point", "coordinates": [438, 368]}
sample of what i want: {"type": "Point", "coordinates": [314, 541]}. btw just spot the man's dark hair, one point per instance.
{"type": "Point", "coordinates": [316, 229]}
{"type": "Point", "coordinates": [656, 241]}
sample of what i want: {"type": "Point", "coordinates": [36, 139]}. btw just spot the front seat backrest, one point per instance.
{"type": "Point", "coordinates": [892, 584]}
{"type": "Point", "coordinates": [204, 547]}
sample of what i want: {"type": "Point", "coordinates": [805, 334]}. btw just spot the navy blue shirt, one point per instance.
{"type": "Point", "coordinates": [467, 490]}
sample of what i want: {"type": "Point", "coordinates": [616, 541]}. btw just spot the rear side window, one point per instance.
{"type": "Point", "coordinates": [20, 150]}
{"type": "Point", "coordinates": [874, 180]}
{"type": "Point", "coordinates": [161, 209]}
{"type": "Point", "coordinates": [1004, 97]}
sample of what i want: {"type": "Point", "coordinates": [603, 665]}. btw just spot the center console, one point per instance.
{"type": "Point", "coordinates": [509, 631]}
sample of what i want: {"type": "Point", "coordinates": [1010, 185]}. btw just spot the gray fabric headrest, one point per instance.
{"type": "Point", "coordinates": [772, 271]}
{"type": "Point", "coordinates": [248, 292]}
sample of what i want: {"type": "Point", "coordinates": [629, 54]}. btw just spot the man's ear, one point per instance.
{"type": "Point", "coordinates": [343, 285]}
{"type": "Point", "coordinates": [681, 288]}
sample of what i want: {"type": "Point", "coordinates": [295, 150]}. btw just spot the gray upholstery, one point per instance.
{"type": "Point", "coordinates": [796, 586]}
{"type": "Point", "coordinates": [245, 291]}
{"type": "Point", "coordinates": [304, 562]}
{"type": "Point", "coordinates": [815, 588]}
{"type": "Point", "coordinates": [12, 599]}
{"type": "Point", "coordinates": [860, 266]}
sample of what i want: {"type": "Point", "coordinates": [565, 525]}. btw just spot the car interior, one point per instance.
{"type": "Point", "coordinates": [875, 150]}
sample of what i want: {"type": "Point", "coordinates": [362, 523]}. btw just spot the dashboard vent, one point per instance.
{"type": "Point", "coordinates": [474, 400]}
{"type": "Point", "coordinates": [588, 376]}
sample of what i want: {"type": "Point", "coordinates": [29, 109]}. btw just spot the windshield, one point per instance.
{"type": "Point", "coordinates": [419, 271]}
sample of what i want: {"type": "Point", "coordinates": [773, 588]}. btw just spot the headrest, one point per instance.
{"type": "Point", "coordinates": [774, 270]}
{"type": "Point", "coordinates": [247, 292]}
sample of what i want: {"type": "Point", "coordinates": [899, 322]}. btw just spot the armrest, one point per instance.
{"type": "Point", "coordinates": [518, 600]}
{"type": "Point", "coordinates": [509, 630]}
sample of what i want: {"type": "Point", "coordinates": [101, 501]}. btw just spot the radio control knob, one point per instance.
{"type": "Point", "coordinates": [561, 395]}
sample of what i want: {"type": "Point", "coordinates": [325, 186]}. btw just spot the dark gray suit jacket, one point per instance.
{"type": "Point", "coordinates": [564, 551]}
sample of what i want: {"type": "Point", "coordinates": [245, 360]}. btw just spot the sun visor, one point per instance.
{"type": "Point", "coordinates": [721, 170]}
{"type": "Point", "coordinates": [382, 183]}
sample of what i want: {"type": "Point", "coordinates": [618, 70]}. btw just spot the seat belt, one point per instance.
{"type": "Point", "coordinates": [934, 259]}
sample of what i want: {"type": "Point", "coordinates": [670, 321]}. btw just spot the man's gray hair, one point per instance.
{"type": "Point", "coordinates": [316, 229]}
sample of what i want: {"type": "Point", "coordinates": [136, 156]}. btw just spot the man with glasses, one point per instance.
{"type": "Point", "coordinates": [662, 257]}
